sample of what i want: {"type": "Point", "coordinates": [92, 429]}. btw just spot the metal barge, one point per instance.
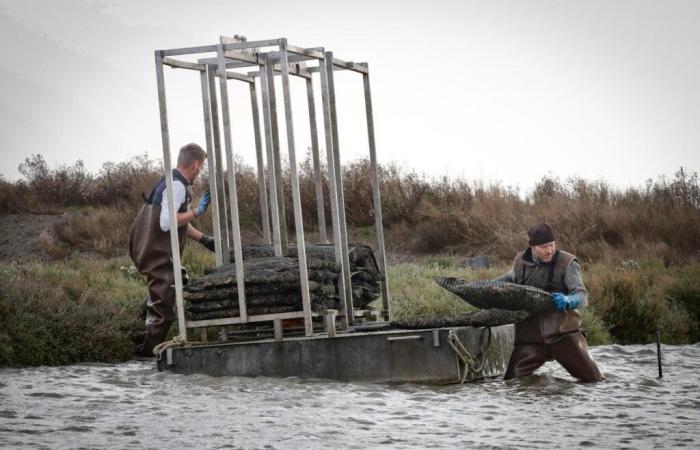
{"type": "Point", "coordinates": [397, 356]}
{"type": "Point", "coordinates": [351, 345]}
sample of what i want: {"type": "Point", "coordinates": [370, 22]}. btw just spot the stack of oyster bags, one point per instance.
{"type": "Point", "coordinates": [272, 283]}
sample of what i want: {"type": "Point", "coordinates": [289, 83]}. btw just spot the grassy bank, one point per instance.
{"type": "Point", "coordinates": [79, 308]}
{"type": "Point", "coordinates": [86, 309]}
{"type": "Point", "coordinates": [627, 303]}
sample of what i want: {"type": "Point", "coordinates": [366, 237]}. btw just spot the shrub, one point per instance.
{"type": "Point", "coordinates": [684, 293]}
{"type": "Point", "coordinates": [596, 329]}
{"type": "Point", "coordinates": [101, 230]}
{"type": "Point", "coordinates": [80, 310]}
{"type": "Point", "coordinates": [421, 215]}
{"type": "Point", "coordinates": [633, 304]}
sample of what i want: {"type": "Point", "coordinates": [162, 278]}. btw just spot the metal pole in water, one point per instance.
{"type": "Point", "coordinates": [658, 351]}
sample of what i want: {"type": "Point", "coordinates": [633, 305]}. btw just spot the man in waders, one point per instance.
{"type": "Point", "coordinates": [149, 242]}
{"type": "Point", "coordinates": [555, 334]}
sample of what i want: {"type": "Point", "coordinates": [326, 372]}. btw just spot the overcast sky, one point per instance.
{"type": "Point", "coordinates": [489, 90]}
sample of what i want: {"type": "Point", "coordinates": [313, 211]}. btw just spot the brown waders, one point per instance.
{"type": "Point", "coordinates": [150, 250]}
{"type": "Point", "coordinates": [551, 335]}
{"type": "Point", "coordinates": [571, 351]}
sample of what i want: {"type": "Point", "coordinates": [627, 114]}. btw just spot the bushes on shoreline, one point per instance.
{"type": "Point", "coordinates": [421, 215]}
{"type": "Point", "coordinates": [80, 310]}
{"type": "Point", "coordinates": [86, 310]}
{"type": "Point", "coordinates": [626, 305]}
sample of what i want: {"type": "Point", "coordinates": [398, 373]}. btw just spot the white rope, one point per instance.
{"type": "Point", "coordinates": [177, 341]}
{"type": "Point", "coordinates": [467, 367]}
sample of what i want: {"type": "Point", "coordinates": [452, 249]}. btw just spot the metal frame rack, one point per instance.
{"type": "Point", "coordinates": [267, 59]}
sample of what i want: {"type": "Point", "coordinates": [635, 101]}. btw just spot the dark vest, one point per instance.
{"type": "Point", "coordinates": [156, 195]}
{"type": "Point", "coordinates": [149, 246]}
{"type": "Point", "coordinates": [549, 326]}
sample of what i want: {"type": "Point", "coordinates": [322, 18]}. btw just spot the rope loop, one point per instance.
{"type": "Point", "coordinates": [177, 341]}
{"type": "Point", "coordinates": [468, 366]}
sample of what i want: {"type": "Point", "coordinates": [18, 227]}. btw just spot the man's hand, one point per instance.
{"type": "Point", "coordinates": [208, 242]}
{"type": "Point", "coordinates": [203, 204]}
{"type": "Point", "coordinates": [564, 302]}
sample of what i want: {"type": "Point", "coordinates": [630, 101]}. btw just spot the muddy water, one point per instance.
{"type": "Point", "coordinates": [131, 405]}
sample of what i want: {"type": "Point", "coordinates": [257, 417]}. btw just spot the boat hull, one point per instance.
{"type": "Point", "coordinates": [394, 356]}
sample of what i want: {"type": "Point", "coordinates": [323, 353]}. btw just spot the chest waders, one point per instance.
{"type": "Point", "coordinates": [149, 249]}
{"type": "Point", "coordinates": [550, 335]}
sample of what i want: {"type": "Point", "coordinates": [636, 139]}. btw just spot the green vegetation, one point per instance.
{"type": "Point", "coordinates": [86, 309]}
{"type": "Point", "coordinates": [77, 310]}
{"type": "Point", "coordinates": [413, 292]}
{"type": "Point", "coordinates": [80, 309]}
{"type": "Point", "coordinates": [626, 305]}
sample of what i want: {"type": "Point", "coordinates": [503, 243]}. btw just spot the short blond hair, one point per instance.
{"type": "Point", "coordinates": [189, 153]}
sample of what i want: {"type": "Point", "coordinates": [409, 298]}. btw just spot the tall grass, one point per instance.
{"type": "Point", "coordinates": [625, 306]}
{"type": "Point", "coordinates": [421, 215]}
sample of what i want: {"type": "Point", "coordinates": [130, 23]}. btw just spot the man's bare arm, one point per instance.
{"type": "Point", "coordinates": [193, 233]}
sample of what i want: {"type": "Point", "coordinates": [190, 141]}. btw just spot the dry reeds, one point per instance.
{"type": "Point", "coordinates": [421, 215]}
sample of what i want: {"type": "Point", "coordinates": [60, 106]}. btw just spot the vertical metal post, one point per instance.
{"type": "Point", "coordinates": [233, 196]}
{"type": "Point", "coordinates": [212, 167]}
{"type": "Point", "coordinates": [174, 241]}
{"type": "Point", "coordinates": [279, 184]}
{"type": "Point", "coordinates": [339, 185]}
{"type": "Point", "coordinates": [296, 195]}
{"type": "Point", "coordinates": [271, 180]}
{"type": "Point", "coordinates": [262, 192]}
{"type": "Point", "coordinates": [658, 352]}
{"type": "Point", "coordinates": [376, 196]}
{"type": "Point", "coordinates": [317, 162]}
{"type": "Point", "coordinates": [335, 219]}
{"type": "Point", "coordinates": [219, 172]}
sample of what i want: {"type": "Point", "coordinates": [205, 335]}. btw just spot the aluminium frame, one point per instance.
{"type": "Point", "coordinates": [285, 61]}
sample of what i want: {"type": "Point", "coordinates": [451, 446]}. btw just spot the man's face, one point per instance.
{"type": "Point", "coordinates": [545, 252]}
{"type": "Point", "coordinates": [193, 170]}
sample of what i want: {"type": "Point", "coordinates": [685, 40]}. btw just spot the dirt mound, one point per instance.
{"type": "Point", "coordinates": [19, 235]}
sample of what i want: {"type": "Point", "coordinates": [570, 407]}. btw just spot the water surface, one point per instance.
{"type": "Point", "coordinates": [132, 405]}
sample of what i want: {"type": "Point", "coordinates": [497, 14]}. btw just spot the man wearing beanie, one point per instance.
{"type": "Point", "coordinates": [554, 334]}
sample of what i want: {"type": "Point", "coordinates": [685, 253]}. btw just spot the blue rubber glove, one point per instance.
{"type": "Point", "coordinates": [203, 204]}
{"type": "Point", "coordinates": [564, 302]}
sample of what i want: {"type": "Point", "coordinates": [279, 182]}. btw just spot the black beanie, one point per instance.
{"type": "Point", "coordinates": [540, 234]}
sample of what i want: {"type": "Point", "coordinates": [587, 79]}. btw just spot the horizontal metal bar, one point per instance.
{"type": "Point", "coordinates": [276, 56]}
{"type": "Point", "coordinates": [414, 337]}
{"type": "Point", "coordinates": [316, 52]}
{"type": "Point", "coordinates": [188, 50]}
{"type": "Point", "coordinates": [355, 67]}
{"type": "Point", "coordinates": [293, 70]}
{"type": "Point", "coordinates": [176, 63]}
{"type": "Point", "coordinates": [229, 64]}
{"type": "Point", "coordinates": [245, 57]}
{"type": "Point", "coordinates": [251, 44]}
{"type": "Point", "coordinates": [237, 320]}
{"type": "Point", "coordinates": [237, 76]}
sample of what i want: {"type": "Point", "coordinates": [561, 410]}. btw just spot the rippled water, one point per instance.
{"type": "Point", "coordinates": [131, 405]}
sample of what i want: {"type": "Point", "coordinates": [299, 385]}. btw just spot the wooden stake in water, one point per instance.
{"type": "Point", "coordinates": [658, 351]}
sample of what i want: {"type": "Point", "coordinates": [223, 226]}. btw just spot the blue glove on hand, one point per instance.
{"type": "Point", "coordinates": [203, 204]}
{"type": "Point", "coordinates": [563, 302]}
